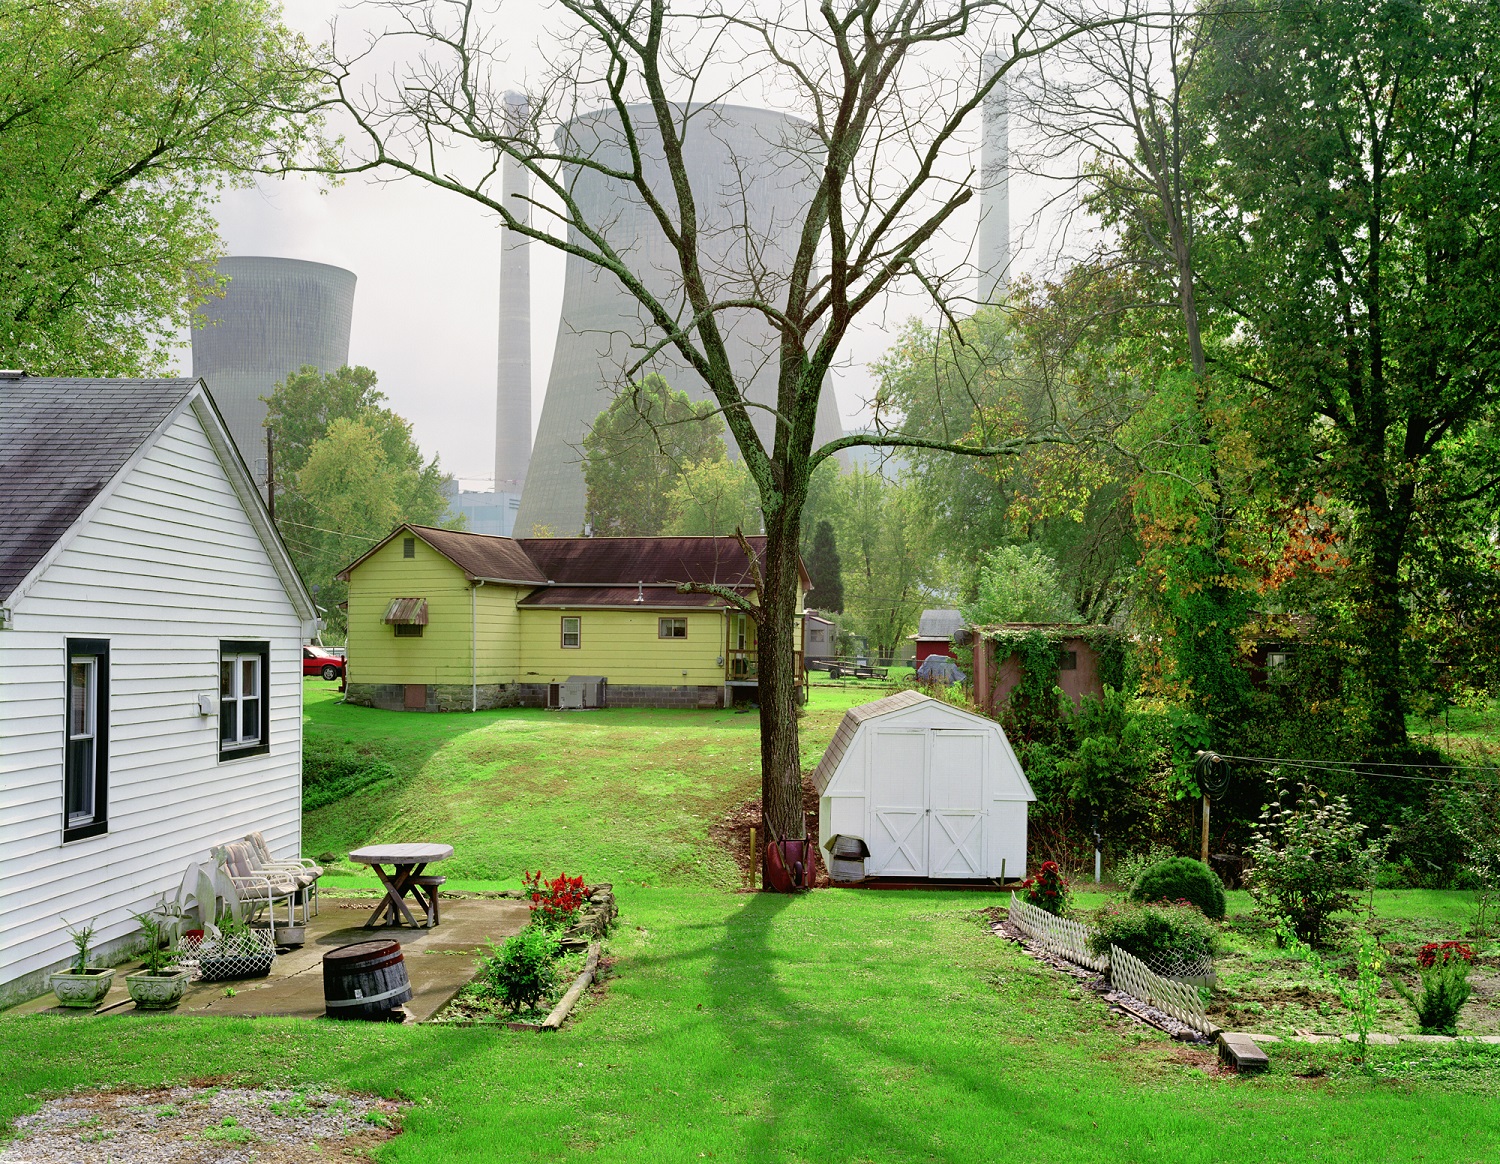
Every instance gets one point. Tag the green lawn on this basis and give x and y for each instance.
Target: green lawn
(839, 1026)
(842, 1026)
(626, 796)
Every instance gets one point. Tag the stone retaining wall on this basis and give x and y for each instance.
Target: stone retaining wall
(440, 696)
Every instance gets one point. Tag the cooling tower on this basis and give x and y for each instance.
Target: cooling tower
(993, 249)
(753, 173)
(277, 315)
(513, 373)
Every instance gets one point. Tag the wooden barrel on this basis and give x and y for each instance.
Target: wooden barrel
(365, 981)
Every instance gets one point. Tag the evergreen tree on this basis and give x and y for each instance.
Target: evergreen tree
(824, 570)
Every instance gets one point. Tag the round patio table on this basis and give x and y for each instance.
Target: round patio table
(407, 863)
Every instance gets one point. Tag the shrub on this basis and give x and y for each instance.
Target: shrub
(521, 972)
(1161, 934)
(555, 904)
(1182, 879)
(1047, 890)
(1310, 861)
(1128, 869)
(1444, 968)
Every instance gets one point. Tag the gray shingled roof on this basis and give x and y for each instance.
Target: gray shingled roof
(61, 441)
(939, 623)
(855, 716)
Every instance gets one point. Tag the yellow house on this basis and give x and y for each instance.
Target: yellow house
(441, 620)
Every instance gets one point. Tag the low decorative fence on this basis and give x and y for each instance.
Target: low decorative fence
(1070, 940)
(1178, 999)
(1067, 939)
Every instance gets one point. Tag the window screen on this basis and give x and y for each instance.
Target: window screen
(244, 689)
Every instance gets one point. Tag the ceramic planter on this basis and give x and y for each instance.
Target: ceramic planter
(82, 990)
(156, 991)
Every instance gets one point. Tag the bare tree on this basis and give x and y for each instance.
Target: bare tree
(882, 90)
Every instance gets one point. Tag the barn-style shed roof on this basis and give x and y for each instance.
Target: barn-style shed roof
(855, 716)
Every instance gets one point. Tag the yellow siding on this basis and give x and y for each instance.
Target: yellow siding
(623, 646)
(442, 654)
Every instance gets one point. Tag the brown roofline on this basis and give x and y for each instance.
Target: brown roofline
(416, 530)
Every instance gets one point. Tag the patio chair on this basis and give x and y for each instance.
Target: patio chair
(257, 889)
(304, 872)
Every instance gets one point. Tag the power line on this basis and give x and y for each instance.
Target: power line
(1351, 768)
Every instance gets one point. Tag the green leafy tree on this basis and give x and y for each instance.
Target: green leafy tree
(1020, 584)
(714, 497)
(825, 570)
(886, 558)
(635, 454)
(1352, 232)
(347, 472)
(120, 120)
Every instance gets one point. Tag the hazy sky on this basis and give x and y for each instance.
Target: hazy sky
(427, 262)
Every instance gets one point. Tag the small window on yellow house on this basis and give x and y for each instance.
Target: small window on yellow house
(572, 631)
(671, 628)
(408, 630)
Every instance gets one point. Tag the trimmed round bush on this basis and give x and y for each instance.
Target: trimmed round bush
(1156, 933)
(1182, 879)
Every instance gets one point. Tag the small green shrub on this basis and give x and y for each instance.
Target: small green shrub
(1128, 869)
(1182, 879)
(1445, 986)
(521, 972)
(1159, 934)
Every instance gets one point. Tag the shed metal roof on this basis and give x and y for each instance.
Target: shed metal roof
(627, 561)
(939, 624)
(61, 442)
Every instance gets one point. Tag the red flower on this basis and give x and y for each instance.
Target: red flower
(1441, 953)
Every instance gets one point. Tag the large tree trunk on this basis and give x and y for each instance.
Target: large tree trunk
(780, 760)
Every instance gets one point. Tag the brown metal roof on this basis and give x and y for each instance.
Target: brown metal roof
(626, 561)
(407, 612)
(494, 559)
(855, 716)
(654, 596)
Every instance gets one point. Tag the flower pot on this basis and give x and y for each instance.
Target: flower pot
(156, 991)
(82, 990)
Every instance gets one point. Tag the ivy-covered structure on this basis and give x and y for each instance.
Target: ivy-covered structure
(1079, 659)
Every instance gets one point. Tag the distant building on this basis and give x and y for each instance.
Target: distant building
(484, 513)
(819, 637)
(998, 667)
(936, 631)
(151, 631)
(443, 620)
(746, 166)
(276, 317)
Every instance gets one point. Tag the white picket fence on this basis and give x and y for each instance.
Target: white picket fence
(1070, 940)
(1067, 939)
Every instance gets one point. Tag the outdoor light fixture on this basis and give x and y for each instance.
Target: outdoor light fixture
(205, 705)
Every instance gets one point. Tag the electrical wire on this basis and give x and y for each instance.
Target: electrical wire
(1352, 768)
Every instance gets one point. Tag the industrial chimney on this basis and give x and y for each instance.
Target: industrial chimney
(994, 191)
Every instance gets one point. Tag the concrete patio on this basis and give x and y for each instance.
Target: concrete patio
(439, 962)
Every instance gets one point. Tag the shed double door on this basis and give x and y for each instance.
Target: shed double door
(927, 803)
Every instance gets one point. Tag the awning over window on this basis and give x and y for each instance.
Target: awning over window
(406, 612)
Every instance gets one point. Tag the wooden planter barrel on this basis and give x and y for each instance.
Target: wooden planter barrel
(365, 981)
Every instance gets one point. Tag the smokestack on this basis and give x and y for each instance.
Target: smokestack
(513, 373)
(994, 189)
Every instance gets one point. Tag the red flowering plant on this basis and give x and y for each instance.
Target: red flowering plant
(555, 903)
(1444, 968)
(1047, 890)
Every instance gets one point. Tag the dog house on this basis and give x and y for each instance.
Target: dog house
(932, 790)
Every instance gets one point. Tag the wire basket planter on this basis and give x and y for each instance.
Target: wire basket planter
(216, 957)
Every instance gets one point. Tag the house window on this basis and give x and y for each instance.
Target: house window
(408, 547)
(1069, 661)
(244, 693)
(572, 631)
(671, 628)
(86, 766)
(1276, 660)
(408, 630)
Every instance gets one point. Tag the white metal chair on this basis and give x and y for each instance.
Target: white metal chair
(304, 872)
(257, 889)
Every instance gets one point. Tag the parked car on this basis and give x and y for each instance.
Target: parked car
(321, 661)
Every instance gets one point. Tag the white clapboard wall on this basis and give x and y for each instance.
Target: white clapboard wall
(165, 567)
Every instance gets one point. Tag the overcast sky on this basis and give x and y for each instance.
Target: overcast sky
(427, 262)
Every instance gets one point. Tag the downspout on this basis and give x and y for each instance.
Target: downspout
(474, 646)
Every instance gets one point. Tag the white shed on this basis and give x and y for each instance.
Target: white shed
(151, 631)
(933, 790)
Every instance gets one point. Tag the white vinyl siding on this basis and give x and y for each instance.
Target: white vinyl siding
(166, 569)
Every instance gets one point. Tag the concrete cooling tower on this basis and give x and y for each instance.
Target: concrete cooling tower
(753, 174)
(277, 315)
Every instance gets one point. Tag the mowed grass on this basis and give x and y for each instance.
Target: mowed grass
(618, 795)
(840, 1026)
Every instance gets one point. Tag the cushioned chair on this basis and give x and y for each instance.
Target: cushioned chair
(304, 872)
(257, 888)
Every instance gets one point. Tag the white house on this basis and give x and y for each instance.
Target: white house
(932, 790)
(151, 629)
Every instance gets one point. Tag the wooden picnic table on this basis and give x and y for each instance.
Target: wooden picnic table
(407, 863)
